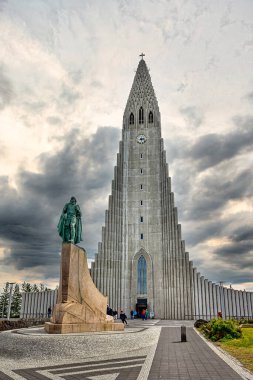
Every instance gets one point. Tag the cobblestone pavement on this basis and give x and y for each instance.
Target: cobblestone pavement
(145, 350)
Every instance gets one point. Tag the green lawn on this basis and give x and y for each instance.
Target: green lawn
(242, 348)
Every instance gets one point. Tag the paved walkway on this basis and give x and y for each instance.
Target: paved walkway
(146, 350)
(191, 360)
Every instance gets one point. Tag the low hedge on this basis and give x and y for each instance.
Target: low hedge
(22, 323)
(221, 330)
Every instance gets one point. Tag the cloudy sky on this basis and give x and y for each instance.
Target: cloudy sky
(66, 69)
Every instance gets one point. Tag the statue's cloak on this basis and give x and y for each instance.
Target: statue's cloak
(78, 228)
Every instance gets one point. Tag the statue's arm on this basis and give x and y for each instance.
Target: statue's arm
(78, 212)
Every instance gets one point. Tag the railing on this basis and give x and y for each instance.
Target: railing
(211, 316)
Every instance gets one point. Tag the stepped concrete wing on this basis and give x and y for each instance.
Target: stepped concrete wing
(80, 306)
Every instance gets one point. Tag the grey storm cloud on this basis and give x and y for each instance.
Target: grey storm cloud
(237, 249)
(240, 244)
(6, 89)
(242, 234)
(213, 148)
(232, 274)
(29, 216)
(205, 178)
(203, 231)
(206, 201)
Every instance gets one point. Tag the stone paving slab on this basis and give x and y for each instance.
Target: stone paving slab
(191, 360)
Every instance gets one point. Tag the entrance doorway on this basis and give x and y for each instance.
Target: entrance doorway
(142, 304)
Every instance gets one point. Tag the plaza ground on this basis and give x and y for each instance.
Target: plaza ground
(145, 350)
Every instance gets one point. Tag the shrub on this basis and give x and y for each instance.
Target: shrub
(219, 329)
(199, 323)
(20, 324)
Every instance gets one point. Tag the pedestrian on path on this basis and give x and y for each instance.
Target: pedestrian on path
(123, 317)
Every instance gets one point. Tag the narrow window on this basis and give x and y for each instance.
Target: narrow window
(131, 118)
(141, 116)
(141, 171)
(141, 187)
(142, 276)
(141, 219)
(141, 236)
(150, 117)
(141, 155)
(141, 203)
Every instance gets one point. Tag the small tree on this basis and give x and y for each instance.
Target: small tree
(42, 287)
(35, 288)
(4, 300)
(16, 302)
(26, 287)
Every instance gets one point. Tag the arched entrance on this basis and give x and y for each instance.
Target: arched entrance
(142, 289)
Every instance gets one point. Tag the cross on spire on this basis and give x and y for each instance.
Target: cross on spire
(142, 55)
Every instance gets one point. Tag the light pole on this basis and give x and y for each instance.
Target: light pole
(10, 299)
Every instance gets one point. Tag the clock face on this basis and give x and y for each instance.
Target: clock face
(141, 139)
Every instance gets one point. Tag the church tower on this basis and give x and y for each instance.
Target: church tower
(141, 262)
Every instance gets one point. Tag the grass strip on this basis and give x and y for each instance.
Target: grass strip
(242, 348)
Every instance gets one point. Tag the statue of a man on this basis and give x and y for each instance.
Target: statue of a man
(70, 224)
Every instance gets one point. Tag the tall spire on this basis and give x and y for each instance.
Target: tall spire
(142, 92)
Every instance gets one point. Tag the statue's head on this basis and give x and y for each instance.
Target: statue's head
(73, 200)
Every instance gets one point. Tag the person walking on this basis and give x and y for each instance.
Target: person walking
(123, 317)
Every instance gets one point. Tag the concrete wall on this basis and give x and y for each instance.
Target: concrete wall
(36, 304)
(210, 298)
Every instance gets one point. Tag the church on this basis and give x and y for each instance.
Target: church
(141, 261)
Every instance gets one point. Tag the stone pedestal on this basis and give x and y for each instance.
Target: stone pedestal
(80, 306)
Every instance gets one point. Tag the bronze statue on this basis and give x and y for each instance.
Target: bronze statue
(70, 224)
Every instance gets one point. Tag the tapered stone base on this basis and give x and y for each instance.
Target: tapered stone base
(80, 306)
(70, 328)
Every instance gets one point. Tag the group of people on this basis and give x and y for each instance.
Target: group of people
(114, 314)
(143, 314)
(111, 312)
